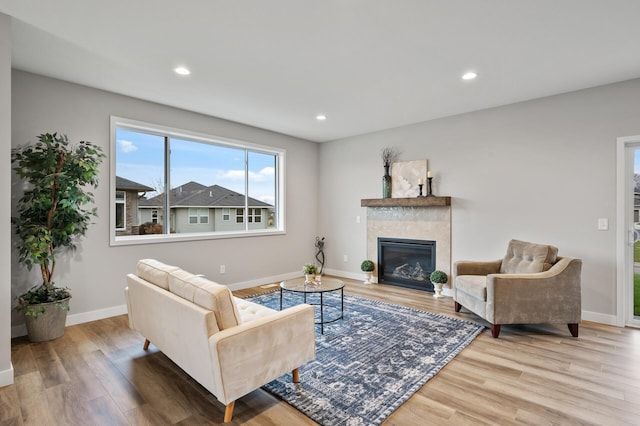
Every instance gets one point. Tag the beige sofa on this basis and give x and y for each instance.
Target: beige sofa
(229, 345)
(530, 285)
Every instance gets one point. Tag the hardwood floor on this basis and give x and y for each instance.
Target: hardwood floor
(98, 374)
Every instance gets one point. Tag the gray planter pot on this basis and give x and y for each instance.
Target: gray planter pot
(50, 325)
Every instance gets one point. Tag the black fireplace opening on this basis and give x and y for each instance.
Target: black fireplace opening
(406, 263)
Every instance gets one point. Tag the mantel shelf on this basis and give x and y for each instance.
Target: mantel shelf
(432, 201)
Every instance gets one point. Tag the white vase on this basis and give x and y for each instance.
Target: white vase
(438, 288)
(367, 280)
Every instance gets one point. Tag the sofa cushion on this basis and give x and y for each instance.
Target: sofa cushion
(250, 311)
(528, 258)
(473, 285)
(155, 272)
(207, 294)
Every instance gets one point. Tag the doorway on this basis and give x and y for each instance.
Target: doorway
(628, 231)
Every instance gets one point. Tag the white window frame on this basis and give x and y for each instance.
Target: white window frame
(226, 214)
(121, 201)
(145, 127)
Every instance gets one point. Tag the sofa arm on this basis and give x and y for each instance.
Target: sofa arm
(553, 296)
(252, 354)
(467, 267)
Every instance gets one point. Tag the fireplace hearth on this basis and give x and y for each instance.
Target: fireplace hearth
(406, 262)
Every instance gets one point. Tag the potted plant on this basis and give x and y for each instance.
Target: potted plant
(309, 270)
(438, 278)
(367, 266)
(51, 217)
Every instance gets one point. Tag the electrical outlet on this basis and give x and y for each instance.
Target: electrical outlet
(346, 258)
(223, 269)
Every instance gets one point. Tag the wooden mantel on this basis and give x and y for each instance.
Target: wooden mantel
(432, 201)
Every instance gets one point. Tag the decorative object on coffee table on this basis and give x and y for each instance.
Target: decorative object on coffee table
(438, 278)
(367, 267)
(309, 270)
(389, 154)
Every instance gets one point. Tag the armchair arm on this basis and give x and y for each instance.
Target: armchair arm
(552, 296)
(467, 267)
(252, 354)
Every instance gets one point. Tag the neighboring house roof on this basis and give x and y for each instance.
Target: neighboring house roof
(123, 184)
(193, 194)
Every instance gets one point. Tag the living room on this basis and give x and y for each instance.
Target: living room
(539, 169)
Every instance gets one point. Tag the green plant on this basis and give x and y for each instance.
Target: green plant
(367, 266)
(309, 269)
(438, 277)
(51, 213)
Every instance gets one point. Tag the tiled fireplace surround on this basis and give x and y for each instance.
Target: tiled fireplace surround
(415, 222)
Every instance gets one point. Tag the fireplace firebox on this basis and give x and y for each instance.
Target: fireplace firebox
(406, 263)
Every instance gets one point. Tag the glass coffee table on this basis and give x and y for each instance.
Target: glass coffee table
(327, 285)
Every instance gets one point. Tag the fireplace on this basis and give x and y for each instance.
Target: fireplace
(406, 263)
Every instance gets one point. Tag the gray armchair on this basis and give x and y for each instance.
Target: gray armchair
(531, 285)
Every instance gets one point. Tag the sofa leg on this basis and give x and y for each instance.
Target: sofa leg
(146, 344)
(495, 330)
(456, 306)
(573, 328)
(228, 411)
(296, 375)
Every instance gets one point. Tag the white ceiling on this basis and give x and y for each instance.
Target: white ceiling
(367, 64)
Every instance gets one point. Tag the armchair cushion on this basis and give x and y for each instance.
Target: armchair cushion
(528, 258)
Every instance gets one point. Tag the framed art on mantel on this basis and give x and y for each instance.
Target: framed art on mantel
(405, 176)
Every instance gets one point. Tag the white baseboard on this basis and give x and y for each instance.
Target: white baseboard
(6, 377)
(21, 330)
(600, 318)
(345, 274)
(265, 280)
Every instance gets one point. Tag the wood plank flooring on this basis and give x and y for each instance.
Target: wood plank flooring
(98, 374)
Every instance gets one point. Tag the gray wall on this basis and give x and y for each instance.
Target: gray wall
(6, 373)
(96, 272)
(542, 170)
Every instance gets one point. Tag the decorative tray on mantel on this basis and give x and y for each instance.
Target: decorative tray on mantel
(406, 202)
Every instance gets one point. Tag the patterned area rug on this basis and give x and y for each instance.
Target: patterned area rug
(370, 362)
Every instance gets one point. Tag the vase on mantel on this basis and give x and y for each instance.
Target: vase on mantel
(386, 183)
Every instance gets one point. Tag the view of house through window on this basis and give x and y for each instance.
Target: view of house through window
(206, 185)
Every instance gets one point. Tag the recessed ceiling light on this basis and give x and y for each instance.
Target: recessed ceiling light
(321, 117)
(182, 71)
(469, 75)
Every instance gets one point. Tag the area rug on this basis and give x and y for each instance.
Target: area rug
(370, 362)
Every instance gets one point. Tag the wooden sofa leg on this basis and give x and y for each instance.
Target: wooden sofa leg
(296, 375)
(228, 411)
(573, 328)
(146, 344)
(456, 306)
(495, 330)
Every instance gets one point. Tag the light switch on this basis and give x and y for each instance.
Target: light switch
(357, 219)
(603, 224)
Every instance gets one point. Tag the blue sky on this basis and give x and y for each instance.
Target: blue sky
(140, 158)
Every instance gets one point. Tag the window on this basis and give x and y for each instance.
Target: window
(199, 216)
(255, 215)
(121, 208)
(199, 179)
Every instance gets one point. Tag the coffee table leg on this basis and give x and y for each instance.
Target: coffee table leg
(342, 303)
(280, 298)
(321, 315)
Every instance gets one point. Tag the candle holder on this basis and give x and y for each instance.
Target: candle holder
(429, 189)
(420, 185)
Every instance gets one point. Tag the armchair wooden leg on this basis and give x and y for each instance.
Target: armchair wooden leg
(495, 330)
(146, 344)
(228, 411)
(296, 375)
(573, 328)
(456, 306)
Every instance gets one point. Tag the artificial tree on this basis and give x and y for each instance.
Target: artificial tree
(51, 214)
